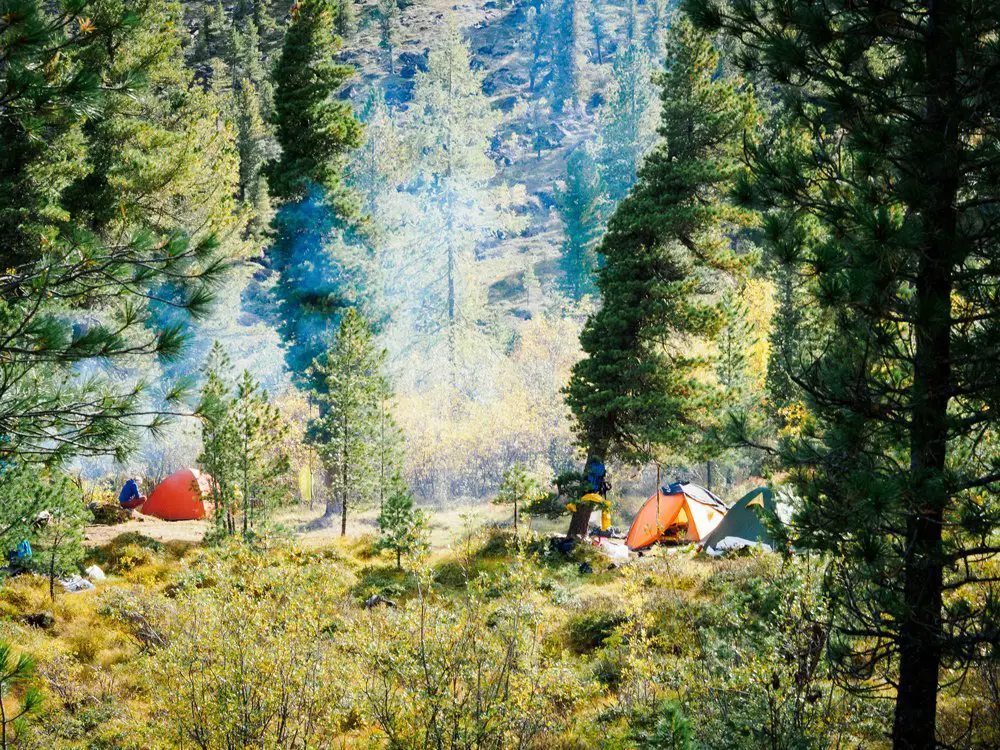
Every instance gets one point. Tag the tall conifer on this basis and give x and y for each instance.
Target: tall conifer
(321, 266)
(580, 207)
(316, 129)
(627, 126)
(643, 389)
(881, 194)
(352, 393)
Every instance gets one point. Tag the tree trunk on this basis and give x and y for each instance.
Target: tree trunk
(921, 630)
(579, 524)
(345, 493)
(52, 572)
(452, 303)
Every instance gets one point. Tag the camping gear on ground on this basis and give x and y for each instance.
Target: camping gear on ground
(94, 573)
(20, 555)
(617, 553)
(564, 545)
(376, 599)
(180, 497)
(76, 584)
(742, 525)
(612, 532)
(680, 512)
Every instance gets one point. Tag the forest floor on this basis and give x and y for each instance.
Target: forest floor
(446, 525)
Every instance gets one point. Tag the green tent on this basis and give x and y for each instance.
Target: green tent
(741, 526)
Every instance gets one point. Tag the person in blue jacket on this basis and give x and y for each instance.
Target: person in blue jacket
(130, 495)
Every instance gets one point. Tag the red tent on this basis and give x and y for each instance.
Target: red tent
(180, 497)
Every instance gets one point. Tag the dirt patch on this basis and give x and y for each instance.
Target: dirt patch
(447, 525)
(163, 531)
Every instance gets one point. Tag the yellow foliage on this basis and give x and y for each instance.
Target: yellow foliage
(761, 305)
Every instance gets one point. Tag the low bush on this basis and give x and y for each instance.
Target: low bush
(110, 514)
(126, 552)
(588, 631)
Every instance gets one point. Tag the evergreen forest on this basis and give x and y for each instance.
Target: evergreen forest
(487, 374)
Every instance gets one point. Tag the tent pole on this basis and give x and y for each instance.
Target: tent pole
(658, 529)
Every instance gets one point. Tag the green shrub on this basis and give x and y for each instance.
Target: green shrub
(588, 631)
(384, 581)
(126, 552)
(607, 669)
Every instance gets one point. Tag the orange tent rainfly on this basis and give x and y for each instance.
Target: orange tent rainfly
(682, 512)
(180, 497)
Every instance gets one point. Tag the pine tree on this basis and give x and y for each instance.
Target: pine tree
(15, 678)
(94, 223)
(321, 275)
(654, 28)
(627, 122)
(388, 448)
(539, 16)
(785, 337)
(260, 13)
(58, 547)
(349, 387)
(631, 24)
(519, 489)
(218, 439)
(539, 126)
(247, 62)
(253, 145)
(598, 28)
(259, 430)
(451, 134)
(580, 207)
(735, 339)
(241, 438)
(881, 190)
(316, 129)
(320, 264)
(213, 34)
(564, 66)
(379, 171)
(389, 31)
(346, 23)
(642, 390)
(402, 528)
(24, 493)
(382, 162)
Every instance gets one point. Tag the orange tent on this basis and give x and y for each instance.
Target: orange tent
(681, 512)
(180, 497)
